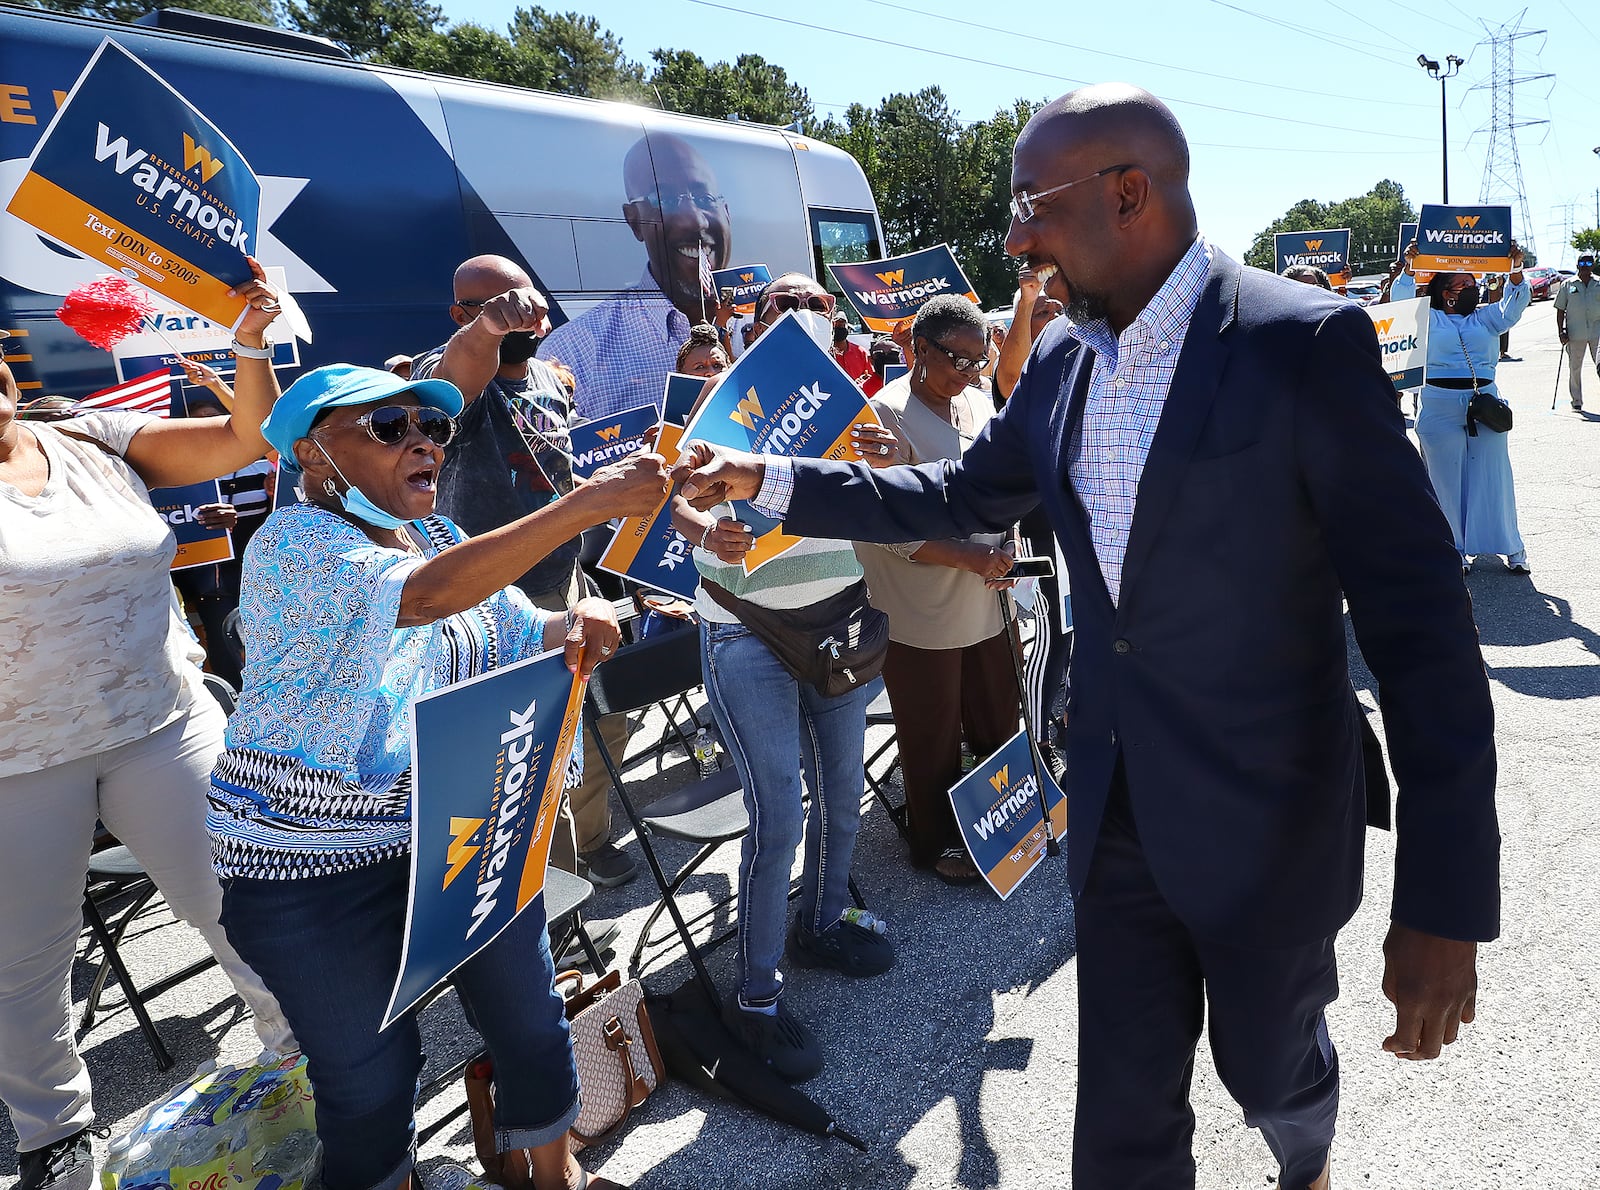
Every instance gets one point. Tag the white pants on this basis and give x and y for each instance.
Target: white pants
(1577, 349)
(151, 794)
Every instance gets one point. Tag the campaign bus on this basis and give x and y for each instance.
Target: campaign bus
(376, 182)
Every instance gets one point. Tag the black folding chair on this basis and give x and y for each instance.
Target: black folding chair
(708, 811)
(879, 714)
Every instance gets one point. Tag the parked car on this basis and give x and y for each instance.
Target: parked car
(1542, 281)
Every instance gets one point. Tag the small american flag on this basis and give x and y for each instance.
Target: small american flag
(150, 393)
(707, 284)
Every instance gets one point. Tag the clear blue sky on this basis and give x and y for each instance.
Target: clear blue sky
(1278, 107)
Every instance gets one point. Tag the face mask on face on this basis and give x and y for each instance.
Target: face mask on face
(518, 347)
(840, 334)
(816, 325)
(1467, 300)
(355, 501)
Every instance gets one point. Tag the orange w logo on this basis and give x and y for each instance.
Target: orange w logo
(1467, 220)
(1383, 327)
(459, 855)
(747, 277)
(896, 277)
(194, 155)
(999, 780)
(1313, 245)
(749, 409)
(610, 432)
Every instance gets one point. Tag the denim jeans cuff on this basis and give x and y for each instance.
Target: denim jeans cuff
(508, 1139)
(397, 1176)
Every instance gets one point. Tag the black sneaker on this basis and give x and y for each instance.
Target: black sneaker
(607, 866)
(845, 946)
(66, 1164)
(779, 1039)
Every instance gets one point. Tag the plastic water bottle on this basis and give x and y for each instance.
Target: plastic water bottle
(705, 753)
(450, 1176)
(291, 1158)
(865, 919)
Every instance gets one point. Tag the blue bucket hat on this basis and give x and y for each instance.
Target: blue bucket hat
(343, 384)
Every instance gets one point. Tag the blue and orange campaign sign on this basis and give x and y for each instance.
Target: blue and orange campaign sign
(1408, 232)
(132, 176)
(1327, 250)
(197, 544)
(1403, 337)
(1463, 239)
(885, 293)
(488, 763)
(997, 809)
(785, 396)
(596, 443)
(746, 281)
(677, 401)
(648, 549)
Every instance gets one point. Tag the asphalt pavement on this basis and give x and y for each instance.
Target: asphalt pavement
(957, 1067)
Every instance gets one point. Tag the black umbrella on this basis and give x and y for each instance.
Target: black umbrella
(699, 1050)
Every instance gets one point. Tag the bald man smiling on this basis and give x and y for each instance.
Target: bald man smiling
(1221, 457)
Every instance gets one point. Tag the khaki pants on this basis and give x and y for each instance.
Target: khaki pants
(585, 819)
(1577, 349)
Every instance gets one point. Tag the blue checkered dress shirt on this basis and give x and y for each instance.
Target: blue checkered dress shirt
(621, 350)
(1127, 391)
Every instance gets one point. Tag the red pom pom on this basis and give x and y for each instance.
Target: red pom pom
(106, 310)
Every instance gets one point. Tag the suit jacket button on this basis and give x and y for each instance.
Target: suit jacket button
(1122, 646)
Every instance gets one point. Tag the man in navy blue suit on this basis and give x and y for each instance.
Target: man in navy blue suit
(1221, 455)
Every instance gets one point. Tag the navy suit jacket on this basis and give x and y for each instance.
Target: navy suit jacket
(1280, 483)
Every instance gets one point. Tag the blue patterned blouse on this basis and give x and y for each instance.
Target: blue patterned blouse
(316, 777)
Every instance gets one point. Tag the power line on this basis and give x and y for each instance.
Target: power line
(1066, 45)
(1433, 17)
(1360, 20)
(969, 60)
(1346, 42)
(1577, 18)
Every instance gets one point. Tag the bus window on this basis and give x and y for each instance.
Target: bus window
(842, 237)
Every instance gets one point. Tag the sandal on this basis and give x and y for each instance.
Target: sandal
(955, 867)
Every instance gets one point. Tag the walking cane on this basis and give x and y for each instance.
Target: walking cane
(1561, 358)
(1051, 845)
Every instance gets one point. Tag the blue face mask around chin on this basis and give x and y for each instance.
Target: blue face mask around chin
(355, 502)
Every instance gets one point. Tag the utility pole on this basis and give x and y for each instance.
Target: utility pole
(1502, 166)
(1451, 68)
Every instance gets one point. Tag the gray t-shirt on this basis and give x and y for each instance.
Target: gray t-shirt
(511, 456)
(92, 653)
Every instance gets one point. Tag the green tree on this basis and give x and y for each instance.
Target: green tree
(583, 58)
(258, 11)
(470, 51)
(1587, 240)
(364, 27)
(1374, 219)
(750, 88)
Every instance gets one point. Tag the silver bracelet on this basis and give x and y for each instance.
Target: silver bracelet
(262, 352)
(706, 536)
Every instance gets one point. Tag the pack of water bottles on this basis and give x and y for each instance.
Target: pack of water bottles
(249, 1127)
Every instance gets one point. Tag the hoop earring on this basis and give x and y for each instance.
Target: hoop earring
(329, 487)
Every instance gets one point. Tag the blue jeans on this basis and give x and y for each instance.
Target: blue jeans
(777, 729)
(328, 947)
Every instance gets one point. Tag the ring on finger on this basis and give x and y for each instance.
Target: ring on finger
(605, 650)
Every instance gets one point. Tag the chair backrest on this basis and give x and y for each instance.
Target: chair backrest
(220, 689)
(643, 674)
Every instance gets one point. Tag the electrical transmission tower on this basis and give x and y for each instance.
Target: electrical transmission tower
(1562, 216)
(1502, 166)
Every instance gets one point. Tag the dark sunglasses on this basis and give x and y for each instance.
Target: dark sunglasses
(959, 362)
(784, 302)
(389, 424)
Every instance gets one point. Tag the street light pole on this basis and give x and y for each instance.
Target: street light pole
(1452, 67)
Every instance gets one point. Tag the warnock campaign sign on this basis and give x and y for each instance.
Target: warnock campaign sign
(596, 443)
(648, 549)
(679, 396)
(885, 293)
(132, 176)
(997, 809)
(180, 508)
(746, 281)
(1327, 250)
(785, 396)
(1403, 336)
(488, 762)
(1463, 239)
(1408, 232)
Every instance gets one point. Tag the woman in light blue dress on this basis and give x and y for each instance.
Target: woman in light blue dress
(1471, 474)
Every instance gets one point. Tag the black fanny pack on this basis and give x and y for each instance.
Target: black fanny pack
(837, 645)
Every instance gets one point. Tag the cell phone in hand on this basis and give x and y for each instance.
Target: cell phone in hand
(1032, 568)
(725, 295)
